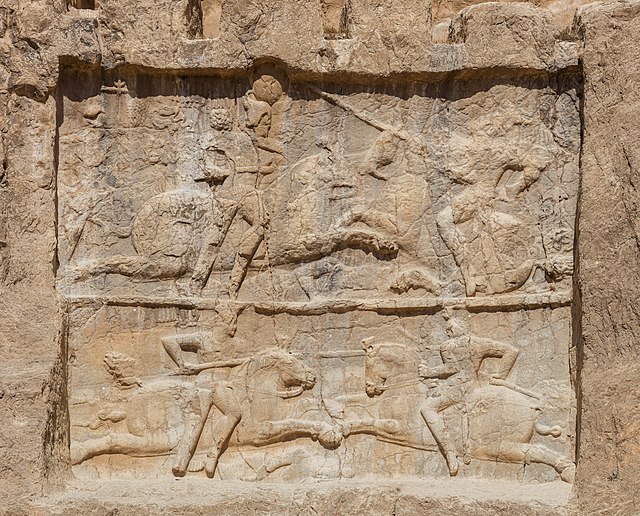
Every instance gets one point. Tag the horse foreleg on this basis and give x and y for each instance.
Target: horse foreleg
(388, 428)
(126, 444)
(313, 246)
(271, 432)
(133, 266)
(226, 402)
(523, 453)
(190, 437)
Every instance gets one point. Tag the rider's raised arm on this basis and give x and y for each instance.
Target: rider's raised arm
(174, 345)
(486, 348)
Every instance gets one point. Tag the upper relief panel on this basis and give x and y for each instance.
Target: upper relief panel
(265, 189)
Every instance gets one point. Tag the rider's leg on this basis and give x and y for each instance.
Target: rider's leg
(226, 402)
(247, 248)
(454, 240)
(430, 411)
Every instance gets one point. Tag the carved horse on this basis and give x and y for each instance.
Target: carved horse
(256, 402)
(501, 421)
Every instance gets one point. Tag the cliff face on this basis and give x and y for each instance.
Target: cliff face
(366, 246)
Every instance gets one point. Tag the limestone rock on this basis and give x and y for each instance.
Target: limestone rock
(330, 257)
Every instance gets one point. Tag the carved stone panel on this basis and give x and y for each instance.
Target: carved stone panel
(273, 278)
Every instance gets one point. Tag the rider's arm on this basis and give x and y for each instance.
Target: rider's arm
(174, 345)
(487, 348)
(448, 368)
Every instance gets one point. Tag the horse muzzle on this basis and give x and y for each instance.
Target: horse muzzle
(309, 381)
(374, 389)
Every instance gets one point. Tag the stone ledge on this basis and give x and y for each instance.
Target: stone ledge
(203, 496)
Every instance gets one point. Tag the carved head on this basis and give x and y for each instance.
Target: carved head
(383, 361)
(268, 89)
(454, 326)
(383, 152)
(220, 119)
(258, 115)
(294, 376)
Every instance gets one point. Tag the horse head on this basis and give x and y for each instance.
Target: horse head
(293, 376)
(385, 363)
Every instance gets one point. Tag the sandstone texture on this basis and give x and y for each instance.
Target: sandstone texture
(319, 257)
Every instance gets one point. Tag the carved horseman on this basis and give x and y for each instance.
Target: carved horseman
(212, 393)
(462, 358)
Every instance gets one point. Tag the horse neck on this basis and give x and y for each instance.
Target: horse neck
(406, 361)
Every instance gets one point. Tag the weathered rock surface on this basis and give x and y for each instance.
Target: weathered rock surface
(366, 246)
(608, 260)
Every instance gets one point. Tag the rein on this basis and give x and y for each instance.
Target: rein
(404, 383)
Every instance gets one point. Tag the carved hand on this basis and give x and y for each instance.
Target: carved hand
(188, 369)
(424, 371)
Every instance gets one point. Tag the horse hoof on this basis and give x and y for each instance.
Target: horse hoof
(179, 471)
(210, 466)
(568, 474)
(452, 463)
(330, 439)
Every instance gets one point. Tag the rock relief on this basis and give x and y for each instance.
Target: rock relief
(270, 277)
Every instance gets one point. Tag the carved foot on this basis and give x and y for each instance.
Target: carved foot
(211, 464)
(452, 463)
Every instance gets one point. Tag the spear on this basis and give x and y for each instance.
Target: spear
(198, 368)
(365, 117)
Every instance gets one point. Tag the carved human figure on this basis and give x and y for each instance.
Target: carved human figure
(494, 250)
(500, 418)
(462, 356)
(244, 190)
(217, 394)
(399, 161)
(256, 400)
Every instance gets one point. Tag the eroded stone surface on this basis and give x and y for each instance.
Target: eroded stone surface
(319, 242)
(331, 272)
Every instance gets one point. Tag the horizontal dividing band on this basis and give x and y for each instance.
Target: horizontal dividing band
(401, 306)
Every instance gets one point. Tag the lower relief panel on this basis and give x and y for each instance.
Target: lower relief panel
(330, 396)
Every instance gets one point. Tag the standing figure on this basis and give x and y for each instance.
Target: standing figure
(462, 356)
(496, 251)
(245, 186)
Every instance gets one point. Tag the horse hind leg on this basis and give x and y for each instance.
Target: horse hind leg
(190, 437)
(522, 453)
(543, 455)
(125, 444)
